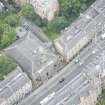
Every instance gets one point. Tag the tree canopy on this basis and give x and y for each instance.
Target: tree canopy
(57, 24)
(8, 22)
(69, 7)
(7, 35)
(26, 10)
(12, 20)
(6, 65)
(68, 12)
(101, 102)
(101, 99)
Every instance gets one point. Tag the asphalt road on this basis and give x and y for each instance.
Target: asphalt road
(54, 85)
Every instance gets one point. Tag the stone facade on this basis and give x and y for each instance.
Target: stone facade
(91, 99)
(80, 32)
(36, 59)
(44, 8)
(14, 87)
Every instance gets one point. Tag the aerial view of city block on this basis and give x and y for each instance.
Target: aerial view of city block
(52, 52)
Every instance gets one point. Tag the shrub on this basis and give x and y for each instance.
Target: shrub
(6, 65)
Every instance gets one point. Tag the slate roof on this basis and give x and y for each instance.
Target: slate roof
(88, 23)
(80, 80)
(31, 54)
(91, 67)
(12, 83)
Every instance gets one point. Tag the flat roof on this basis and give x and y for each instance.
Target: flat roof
(31, 53)
(13, 82)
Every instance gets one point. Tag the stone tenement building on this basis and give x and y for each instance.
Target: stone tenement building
(14, 87)
(81, 31)
(81, 85)
(36, 59)
(80, 82)
(44, 8)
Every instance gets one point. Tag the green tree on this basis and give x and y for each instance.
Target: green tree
(57, 24)
(101, 102)
(26, 10)
(44, 22)
(69, 7)
(12, 20)
(6, 65)
(8, 36)
(36, 19)
(1, 32)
